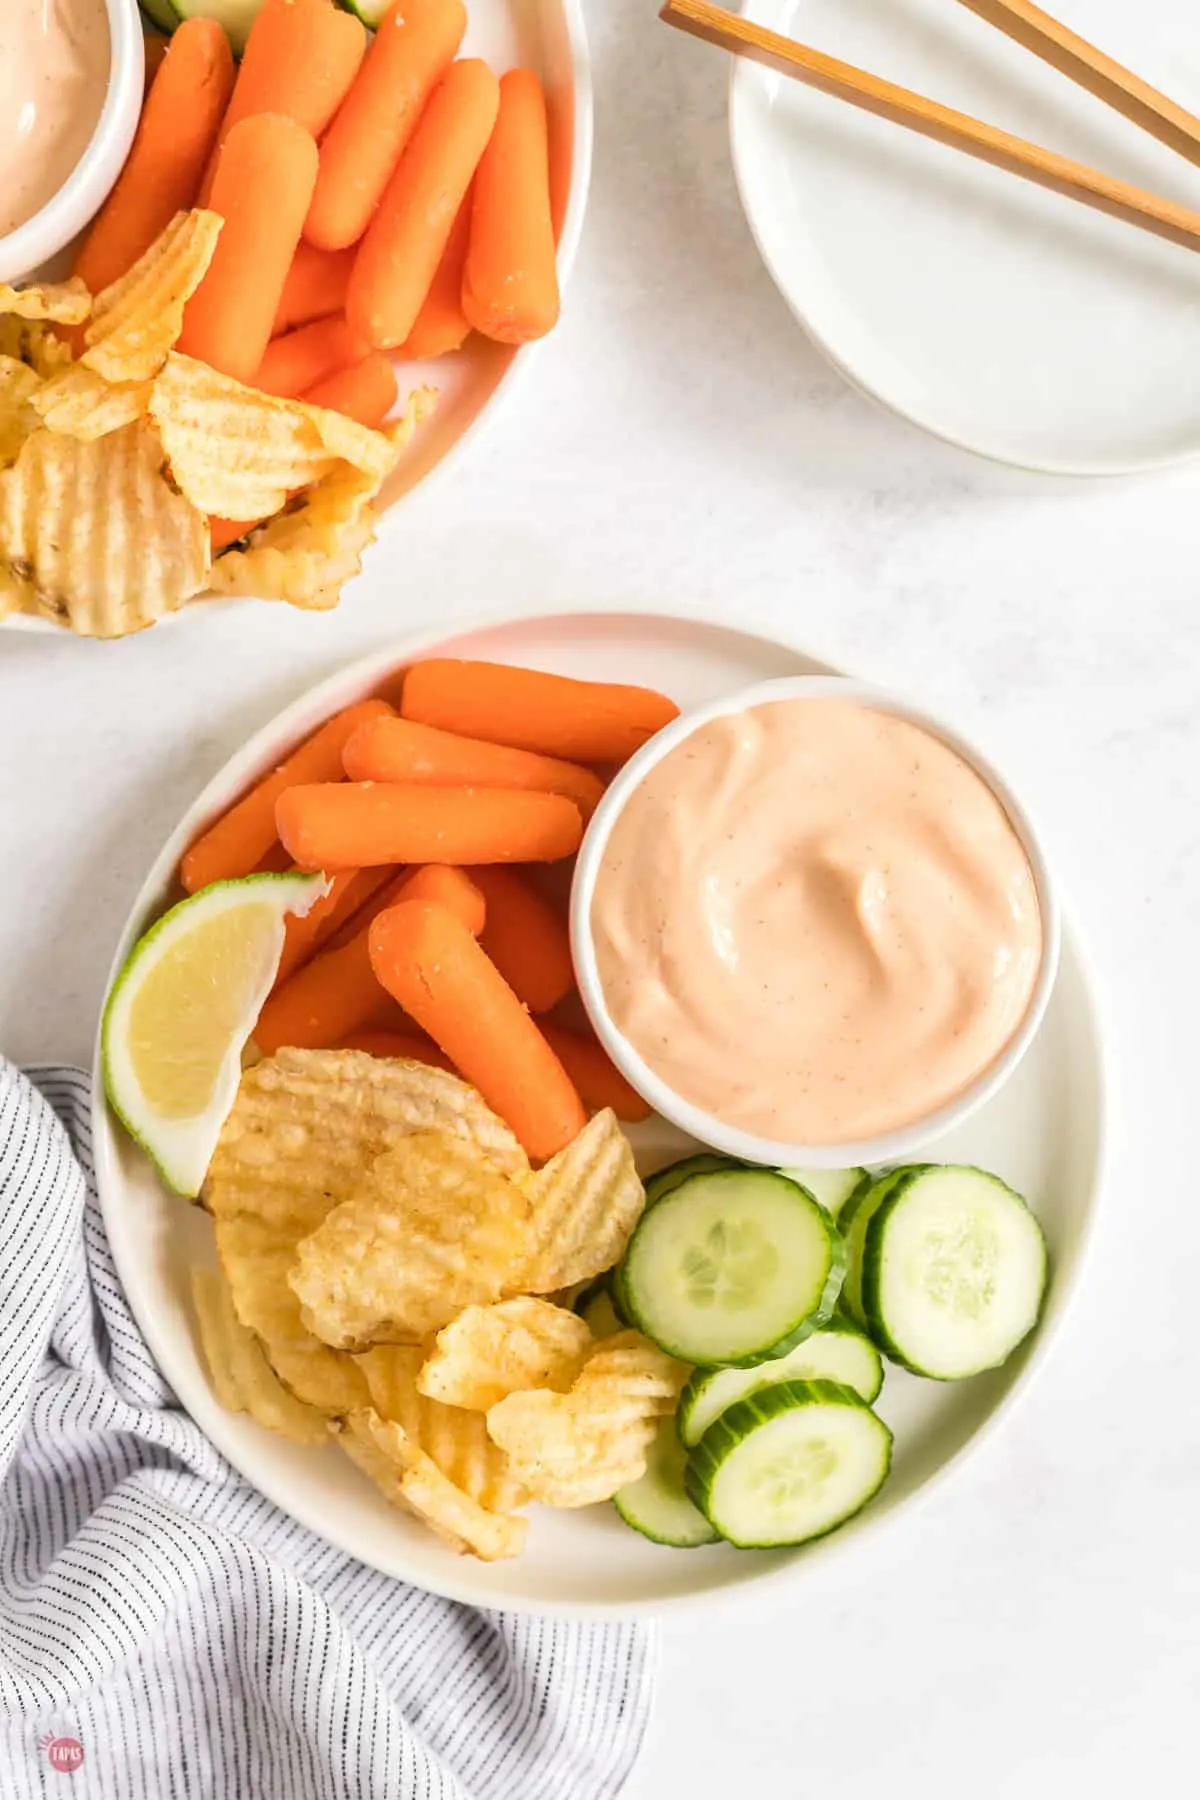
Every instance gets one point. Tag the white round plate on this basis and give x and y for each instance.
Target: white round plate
(1005, 319)
(1043, 1133)
(472, 383)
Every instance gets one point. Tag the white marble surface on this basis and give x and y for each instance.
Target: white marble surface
(1036, 1630)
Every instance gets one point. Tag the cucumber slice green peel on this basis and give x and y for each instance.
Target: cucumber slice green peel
(953, 1270)
(839, 1353)
(789, 1464)
(734, 1266)
(657, 1505)
(665, 1181)
(832, 1187)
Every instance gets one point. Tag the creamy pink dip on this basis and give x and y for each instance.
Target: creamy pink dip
(816, 921)
(54, 67)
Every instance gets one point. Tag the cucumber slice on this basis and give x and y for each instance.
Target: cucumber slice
(234, 16)
(953, 1272)
(657, 1505)
(838, 1353)
(161, 14)
(665, 1181)
(733, 1266)
(790, 1463)
(600, 1315)
(856, 1214)
(832, 1187)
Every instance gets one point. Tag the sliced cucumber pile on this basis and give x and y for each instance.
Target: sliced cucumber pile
(658, 1505)
(832, 1187)
(732, 1266)
(951, 1271)
(838, 1353)
(788, 1464)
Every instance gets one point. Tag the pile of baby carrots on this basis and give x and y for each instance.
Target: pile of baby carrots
(378, 196)
(433, 941)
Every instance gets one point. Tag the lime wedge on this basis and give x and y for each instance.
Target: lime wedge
(181, 1010)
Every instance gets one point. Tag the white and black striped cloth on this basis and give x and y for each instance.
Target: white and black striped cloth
(167, 1634)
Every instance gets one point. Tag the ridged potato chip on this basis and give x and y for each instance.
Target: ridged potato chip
(238, 453)
(457, 1440)
(255, 1257)
(308, 1125)
(489, 1352)
(586, 1202)
(79, 403)
(307, 553)
(578, 1448)
(96, 531)
(138, 318)
(56, 302)
(18, 384)
(434, 1229)
(243, 1378)
(409, 1478)
(34, 343)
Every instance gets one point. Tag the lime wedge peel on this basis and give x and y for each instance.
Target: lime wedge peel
(181, 1010)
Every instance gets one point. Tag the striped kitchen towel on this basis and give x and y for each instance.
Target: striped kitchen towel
(166, 1632)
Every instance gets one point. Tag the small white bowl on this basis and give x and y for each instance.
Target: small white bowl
(41, 238)
(887, 1147)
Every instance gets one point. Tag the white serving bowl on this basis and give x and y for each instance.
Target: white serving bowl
(40, 239)
(885, 1147)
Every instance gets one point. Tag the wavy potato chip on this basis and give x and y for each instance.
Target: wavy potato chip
(53, 302)
(577, 1448)
(79, 403)
(138, 318)
(238, 453)
(307, 553)
(308, 1125)
(243, 1378)
(33, 342)
(457, 1441)
(18, 384)
(409, 1478)
(434, 1229)
(255, 1258)
(489, 1352)
(98, 534)
(586, 1202)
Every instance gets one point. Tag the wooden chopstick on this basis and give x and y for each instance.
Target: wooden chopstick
(1090, 68)
(1120, 199)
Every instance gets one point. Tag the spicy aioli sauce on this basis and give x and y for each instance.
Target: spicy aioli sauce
(815, 921)
(54, 68)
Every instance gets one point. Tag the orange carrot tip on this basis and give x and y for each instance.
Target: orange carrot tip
(510, 280)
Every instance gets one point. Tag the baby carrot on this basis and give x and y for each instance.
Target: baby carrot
(296, 361)
(585, 721)
(401, 750)
(164, 168)
(430, 963)
(413, 1046)
(366, 391)
(526, 939)
(449, 887)
(599, 1081)
(330, 996)
(240, 837)
(357, 825)
(407, 237)
(263, 185)
(414, 45)
(442, 325)
(304, 935)
(315, 286)
(510, 283)
(300, 59)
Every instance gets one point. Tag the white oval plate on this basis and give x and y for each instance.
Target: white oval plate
(1043, 1133)
(472, 383)
(1005, 319)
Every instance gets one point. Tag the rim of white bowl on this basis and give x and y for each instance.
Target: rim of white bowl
(90, 182)
(884, 1147)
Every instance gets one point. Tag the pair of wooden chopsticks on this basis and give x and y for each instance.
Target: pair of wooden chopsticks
(1036, 31)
